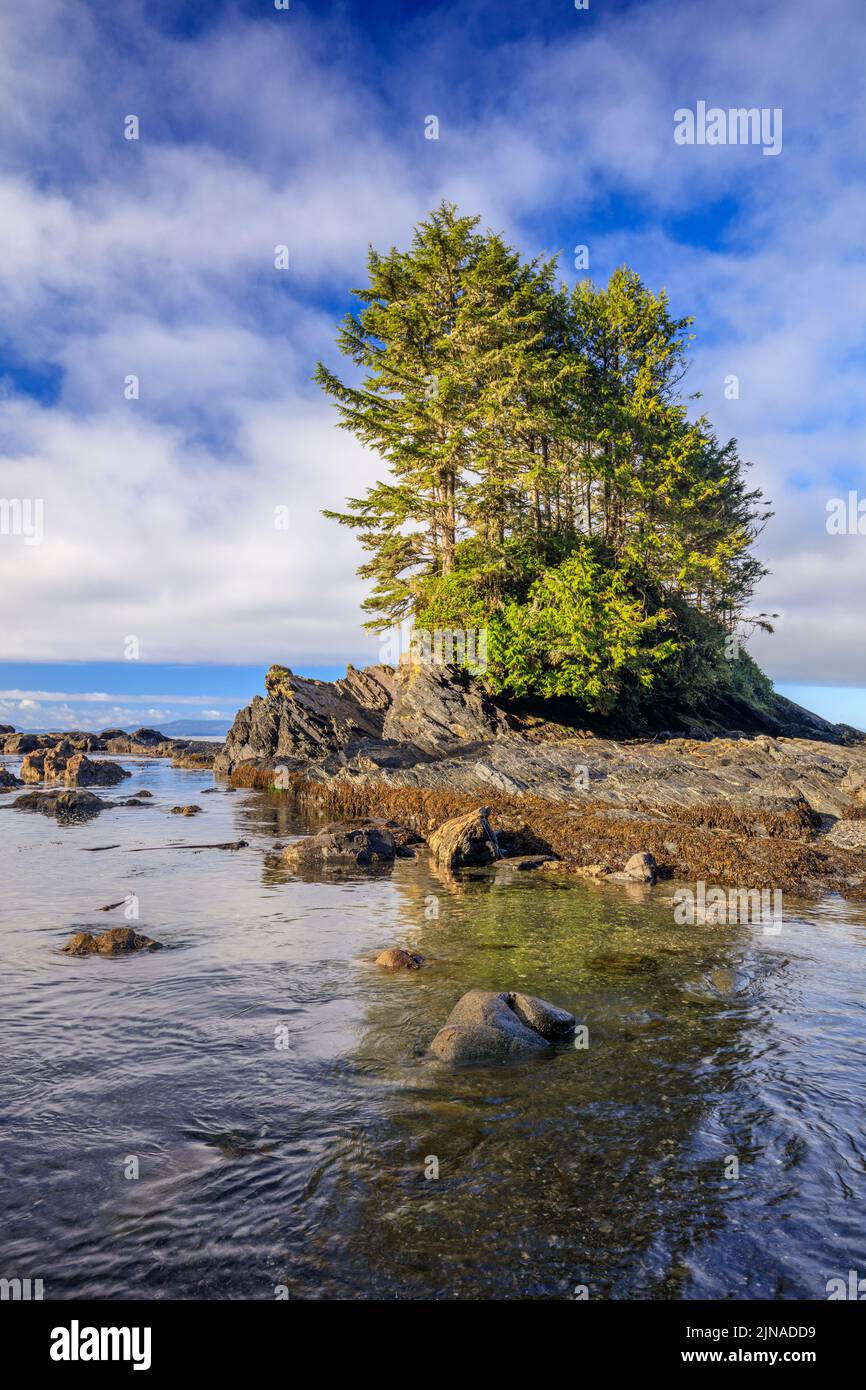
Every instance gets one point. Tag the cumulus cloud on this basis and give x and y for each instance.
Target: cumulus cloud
(154, 258)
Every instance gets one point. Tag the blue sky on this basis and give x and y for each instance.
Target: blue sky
(259, 127)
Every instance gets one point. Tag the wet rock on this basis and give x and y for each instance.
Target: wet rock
(185, 810)
(464, 840)
(144, 793)
(8, 780)
(114, 942)
(68, 807)
(395, 958)
(484, 1026)
(362, 845)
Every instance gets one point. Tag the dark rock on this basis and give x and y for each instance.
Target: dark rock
(484, 1026)
(68, 807)
(114, 942)
(363, 845)
(8, 780)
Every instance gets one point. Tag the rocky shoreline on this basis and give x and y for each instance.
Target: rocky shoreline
(420, 754)
(779, 803)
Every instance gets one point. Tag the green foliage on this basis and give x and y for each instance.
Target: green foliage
(545, 480)
(581, 632)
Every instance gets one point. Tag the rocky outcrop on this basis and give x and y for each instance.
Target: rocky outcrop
(464, 840)
(81, 771)
(488, 1027)
(435, 708)
(302, 720)
(114, 942)
(8, 780)
(75, 769)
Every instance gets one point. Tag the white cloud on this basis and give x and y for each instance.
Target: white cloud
(156, 258)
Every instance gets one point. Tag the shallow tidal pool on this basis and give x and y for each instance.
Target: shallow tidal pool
(252, 1112)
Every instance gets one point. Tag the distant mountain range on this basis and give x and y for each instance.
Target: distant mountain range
(196, 728)
(175, 728)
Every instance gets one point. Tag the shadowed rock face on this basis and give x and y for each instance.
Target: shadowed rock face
(487, 1027)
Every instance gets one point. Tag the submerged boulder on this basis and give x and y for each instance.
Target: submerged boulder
(486, 1027)
(185, 810)
(464, 840)
(395, 958)
(342, 846)
(113, 942)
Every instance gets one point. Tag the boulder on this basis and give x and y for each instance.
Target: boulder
(336, 847)
(484, 1027)
(464, 840)
(185, 810)
(81, 771)
(113, 942)
(642, 868)
(395, 958)
(8, 780)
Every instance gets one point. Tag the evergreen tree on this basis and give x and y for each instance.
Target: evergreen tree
(546, 481)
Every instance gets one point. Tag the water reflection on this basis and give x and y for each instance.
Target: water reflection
(304, 1165)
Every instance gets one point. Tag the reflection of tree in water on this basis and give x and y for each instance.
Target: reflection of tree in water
(586, 1168)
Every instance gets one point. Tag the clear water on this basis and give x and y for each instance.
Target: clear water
(304, 1167)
